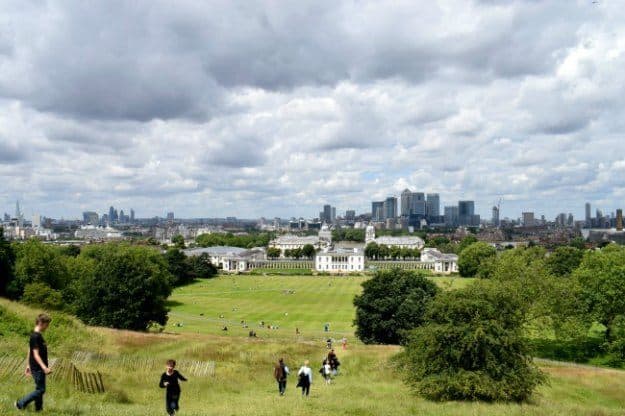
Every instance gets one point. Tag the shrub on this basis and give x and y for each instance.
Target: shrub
(42, 296)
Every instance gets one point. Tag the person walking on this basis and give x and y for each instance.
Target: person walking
(344, 343)
(280, 373)
(169, 381)
(37, 364)
(326, 371)
(305, 378)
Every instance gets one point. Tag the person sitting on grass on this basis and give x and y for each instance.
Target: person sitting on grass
(169, 381)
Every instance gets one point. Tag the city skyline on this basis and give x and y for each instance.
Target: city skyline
(312, 103)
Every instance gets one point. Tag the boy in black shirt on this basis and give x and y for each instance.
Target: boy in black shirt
(169, 380)
(37, 364)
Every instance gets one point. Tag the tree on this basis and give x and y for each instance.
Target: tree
(564, 260)
(7, 264)
(466, 242)
(578, 242)
(273, 252)
(178, 241)
(43, 296)
(308, 251)
(296, 253)
(288, 253)
(178, 267)
(391, 303)
(127, 288)
(472, 347)
(37, 262)
(383, 251)
(601, 280)
(372, 250)
(395, 252)
(71, 250)
(201, 266)
(471, 257)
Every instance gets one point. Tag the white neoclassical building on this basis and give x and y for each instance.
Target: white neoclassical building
(444, 263)
(411, 242)
(340, 261)
(290, 242)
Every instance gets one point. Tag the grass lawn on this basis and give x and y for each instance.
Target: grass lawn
(242, 383)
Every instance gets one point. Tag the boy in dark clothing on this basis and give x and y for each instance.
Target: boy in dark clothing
(169, 380)
(37, 364)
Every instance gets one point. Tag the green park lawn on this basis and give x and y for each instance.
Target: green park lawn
(242, 383)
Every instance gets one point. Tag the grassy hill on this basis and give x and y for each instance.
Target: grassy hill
(242, 382)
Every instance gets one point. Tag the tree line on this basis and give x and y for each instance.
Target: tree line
(477, 343)
(116, 285)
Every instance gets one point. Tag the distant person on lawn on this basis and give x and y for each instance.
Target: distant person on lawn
(169, 381)
(305, 378)
(280, 373)
(37, 364)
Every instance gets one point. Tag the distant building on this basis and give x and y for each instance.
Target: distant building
(36, 221)
(170, 216)
(132, 215)
(390, 207)
(495, 217)
(588, 216)
(466, 213)
(340, 261)
(328, 214)
(93, 233)
(433, 206)
(451, 216)
(443, 263)
(90, 218)
(619, 220)
(350, 215)
(377, 211)
(528, 219)
(411, 242)
(290, 242)
(406, 202)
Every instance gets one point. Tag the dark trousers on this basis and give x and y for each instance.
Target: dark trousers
(37, 395)
(306, 389)
(282, 386)
(171, 402)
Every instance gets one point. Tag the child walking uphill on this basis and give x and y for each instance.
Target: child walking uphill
(169, 381)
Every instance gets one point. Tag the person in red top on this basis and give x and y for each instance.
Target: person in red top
(169, 381)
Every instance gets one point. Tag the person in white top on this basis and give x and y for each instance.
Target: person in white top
(326, 370)
(305, 378)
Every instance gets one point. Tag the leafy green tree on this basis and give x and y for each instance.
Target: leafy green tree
(395, 252)
(201, 266)
(466, 242)
(392, 302)
(43, 296)
(471, 257)
(178, 267)
(578, 243)
(308, 251)
(37, 262)
(601, 280)
(7, 264)
(296, 253)
(71, 250)
(384, 251)
(372, 250)
(178, 241)
(273, 252)
(127, 288)
(564, 260)
(471, 347)
(288, 253)
(405, 253)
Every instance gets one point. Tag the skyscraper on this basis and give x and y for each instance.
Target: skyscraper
(495, 218)
(170, 216)
(90, 217)
(333, 215)
(528, 219)
(451, 216)
(406, 202)
(466, 213)
(350, 215)
(419, 205)
(327, 214)
(588, 217)
(619, 220)
(132, 215)
(433, 206)
(390, 207)
(111, 217)
(377, 210)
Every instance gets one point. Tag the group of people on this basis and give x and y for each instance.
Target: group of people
(37, 367)
(329, 368)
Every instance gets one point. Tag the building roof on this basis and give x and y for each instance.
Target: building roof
(433, 252)
(296, 239)
(215, 251)
(397, 241)
(342, 252)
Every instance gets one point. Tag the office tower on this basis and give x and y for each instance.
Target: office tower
(570, 220)
(121, 216)
(418, 205)
(466, 213)
(90, 217)
(327, 214)
(528, 219)
(36, 221)
(619, 220)
(433, 205)
(495, 218)
(390, 207)
(170, 216)
(561, 219)
(333, 216)
(451, 216)
(111, 216)
(350, 215)
(377, 211)
(7, 217)
(132, 215)
(406, 202)
(588, 218)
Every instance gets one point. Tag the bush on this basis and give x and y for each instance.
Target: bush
(392, 302)
(471, 348)
(471, 257)
(42, 296)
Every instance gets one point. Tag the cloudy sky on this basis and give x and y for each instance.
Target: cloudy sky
(274, 108)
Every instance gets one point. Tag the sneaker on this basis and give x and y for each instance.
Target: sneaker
(17, 405)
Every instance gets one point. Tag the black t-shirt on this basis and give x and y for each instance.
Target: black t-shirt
(173, 386)
(38, 343)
